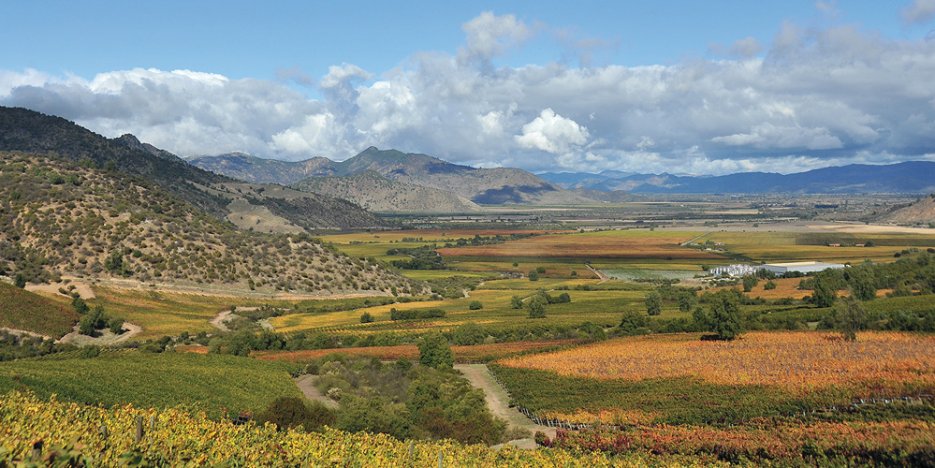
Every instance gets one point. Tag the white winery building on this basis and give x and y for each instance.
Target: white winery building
(799, 267)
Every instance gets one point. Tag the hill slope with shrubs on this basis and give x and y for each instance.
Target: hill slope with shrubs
(58, 217)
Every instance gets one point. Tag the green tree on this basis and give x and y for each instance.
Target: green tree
(686, 301)
(540, 270)
(475, 305)
(770, 285)
(749, 282)
(634, 323)
(823, 293)
(468, 334)
(366, 317)
(725, 315)
(19, 281)
(850, 317)
(435, 352)
(533, 275)
(653, 303)
(536, 306)
(862, 283)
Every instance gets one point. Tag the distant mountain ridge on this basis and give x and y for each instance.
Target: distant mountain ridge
(905, 177)
(377, 193)
(479, 185)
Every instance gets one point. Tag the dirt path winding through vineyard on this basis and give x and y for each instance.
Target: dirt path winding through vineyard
(498, 400)
(306, 384)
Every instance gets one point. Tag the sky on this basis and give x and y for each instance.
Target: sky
(683, 87)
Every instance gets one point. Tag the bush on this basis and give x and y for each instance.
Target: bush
(749, 282)
(475, 305)
(366, 317)
(415, 314)
(292, 412)
(536, 307)
(516, 302)
(540, 270)
(434, 351)
(770, 285)
(653, 303)
(468, 334)
(533, 276)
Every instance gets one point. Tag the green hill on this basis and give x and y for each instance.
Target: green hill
(23, 310)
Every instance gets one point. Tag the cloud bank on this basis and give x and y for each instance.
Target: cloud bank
(811, 98)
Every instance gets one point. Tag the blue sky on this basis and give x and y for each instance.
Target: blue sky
(685, 86)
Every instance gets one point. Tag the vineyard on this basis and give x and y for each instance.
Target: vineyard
(891, 363)
(123, 435)
(23, 310)
(214, 384)
(474, 353)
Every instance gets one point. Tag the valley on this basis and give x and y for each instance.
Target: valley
(365, 304)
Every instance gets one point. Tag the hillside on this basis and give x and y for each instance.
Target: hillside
(26, 131)
(253, 169)
(23, 310)
(377, 193)
(57, 217)
(920, 212)
(484, 186)
(906, 177)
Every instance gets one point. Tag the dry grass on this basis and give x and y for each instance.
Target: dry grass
(797, 361)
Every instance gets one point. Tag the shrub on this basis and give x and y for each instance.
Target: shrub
(770, 285)
(849, 317)
(292, 412)
(415, 314)
(516, 302)
(653, 303)
(533, 276)
(366, 317)
(475, 305)
(536, 307)
(434, 351)
(749, 282)
(540, 270)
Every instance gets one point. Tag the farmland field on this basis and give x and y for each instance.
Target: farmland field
(472, 353)
(23, 310)
(799, 246)
(211, 383)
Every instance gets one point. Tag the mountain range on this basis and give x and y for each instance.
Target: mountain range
(401, 172)
(905, 177)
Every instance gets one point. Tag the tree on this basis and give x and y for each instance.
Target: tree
(366, 317)
(862, 284)
(686, 301)
(749, 282)
(634, 323)
(19, 281)
(823, 294)
(653, 303)
(468, 334)
(290, 412)
(770, 285)
(725, 315)
(79, 305)
(475, 305)
(516, 302)
(536, 307)
(435, 352)
(533, 275)
(850, 317)
(540, 269)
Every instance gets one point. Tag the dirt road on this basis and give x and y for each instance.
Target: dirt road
(306, 384)
(499, 403)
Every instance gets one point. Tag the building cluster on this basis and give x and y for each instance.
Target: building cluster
(779, 269)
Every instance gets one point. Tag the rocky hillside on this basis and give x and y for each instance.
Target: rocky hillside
(483, 186)
(248, 168)
(377, 193)
(60, 217)
(921, 212)
(31, 132)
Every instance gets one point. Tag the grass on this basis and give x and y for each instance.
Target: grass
(210, 383)
(169, 313)
(23, 310)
